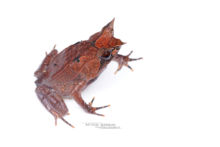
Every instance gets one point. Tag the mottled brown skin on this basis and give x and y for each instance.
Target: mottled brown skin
(67, 73)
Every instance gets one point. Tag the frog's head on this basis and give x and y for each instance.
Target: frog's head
(105, 40)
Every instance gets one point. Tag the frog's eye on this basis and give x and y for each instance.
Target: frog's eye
(106, 56)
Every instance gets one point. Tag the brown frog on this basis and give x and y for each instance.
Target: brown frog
(69, 72)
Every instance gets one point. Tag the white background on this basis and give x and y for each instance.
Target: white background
(171, 99)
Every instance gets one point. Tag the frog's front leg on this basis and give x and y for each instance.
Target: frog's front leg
(87, 107)
(52, 102)
(123, 60)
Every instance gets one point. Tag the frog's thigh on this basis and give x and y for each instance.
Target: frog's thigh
(52, 101)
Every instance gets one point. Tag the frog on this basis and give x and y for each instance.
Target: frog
(67, 73)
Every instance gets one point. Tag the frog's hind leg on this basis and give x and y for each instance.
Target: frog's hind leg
(87, 107)
(52, 102)
(123, 61)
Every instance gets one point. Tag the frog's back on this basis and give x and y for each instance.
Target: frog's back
(65, 70)
(70, 55)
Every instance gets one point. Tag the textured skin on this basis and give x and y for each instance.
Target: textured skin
(67, 73)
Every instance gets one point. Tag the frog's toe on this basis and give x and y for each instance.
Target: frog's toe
(61, 117)
(93, 109)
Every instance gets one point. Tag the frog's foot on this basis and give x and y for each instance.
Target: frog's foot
(87, 107)
(92, 110)
(52, 102)
(123, 60)
(56, 115)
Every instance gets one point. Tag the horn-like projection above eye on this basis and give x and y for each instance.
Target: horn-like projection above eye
(105, 38)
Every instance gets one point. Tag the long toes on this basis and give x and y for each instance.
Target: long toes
(134, 59)
(56, 116)
(67, 122)
(130, 67)
(98, 114)
(97, 108)
(92, 109)
(119, 68)
(90, 104)
(130, 53)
